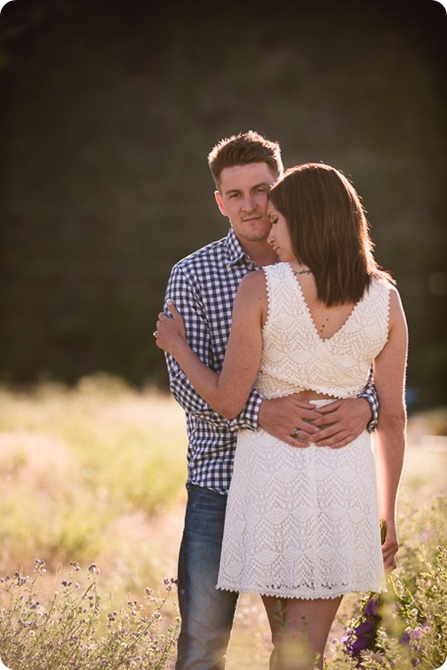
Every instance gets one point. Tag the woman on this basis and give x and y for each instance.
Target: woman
(302, 525)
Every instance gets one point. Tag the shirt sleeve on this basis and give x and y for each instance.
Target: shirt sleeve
(186, 296)
(370, 394)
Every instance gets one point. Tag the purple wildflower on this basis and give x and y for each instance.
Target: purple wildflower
(405, 638)
(372, 607)
(410, 634)
(364, 628)
(363, 633)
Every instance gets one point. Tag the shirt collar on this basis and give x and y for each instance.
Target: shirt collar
(235, 252)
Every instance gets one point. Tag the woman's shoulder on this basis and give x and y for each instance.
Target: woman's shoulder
(386, 288)
(253, 282)
(382, 284)
(252, 293)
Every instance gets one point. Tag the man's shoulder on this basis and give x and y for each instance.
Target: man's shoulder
(210, 253)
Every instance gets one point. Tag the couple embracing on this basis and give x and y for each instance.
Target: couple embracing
(286, 346)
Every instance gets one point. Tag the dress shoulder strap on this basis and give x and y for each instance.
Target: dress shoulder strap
(283, 294)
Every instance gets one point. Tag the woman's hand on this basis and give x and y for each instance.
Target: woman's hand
(390, 546)
(170, 329)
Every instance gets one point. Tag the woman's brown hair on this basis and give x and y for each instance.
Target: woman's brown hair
(329, 230)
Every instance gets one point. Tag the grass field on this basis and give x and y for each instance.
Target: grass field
(95, 476)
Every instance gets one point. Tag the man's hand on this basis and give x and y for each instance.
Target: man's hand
(282, 417)
(341, 422)
(333, 425)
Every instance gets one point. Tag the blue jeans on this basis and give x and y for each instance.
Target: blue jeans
(207, 613)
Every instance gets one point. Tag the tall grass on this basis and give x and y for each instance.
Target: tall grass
(94, 476)
(75, 462)
(70, 632)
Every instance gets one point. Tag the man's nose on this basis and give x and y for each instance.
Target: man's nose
(248, 203)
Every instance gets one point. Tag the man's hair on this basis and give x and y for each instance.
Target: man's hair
(243, 149)
(328, 229)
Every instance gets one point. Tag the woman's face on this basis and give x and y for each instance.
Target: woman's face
(279, 236)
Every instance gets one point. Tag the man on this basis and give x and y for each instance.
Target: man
(203, 287)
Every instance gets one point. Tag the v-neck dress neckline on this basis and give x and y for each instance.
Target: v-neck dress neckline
(309, 313)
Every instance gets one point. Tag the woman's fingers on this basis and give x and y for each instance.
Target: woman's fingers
(173, 309)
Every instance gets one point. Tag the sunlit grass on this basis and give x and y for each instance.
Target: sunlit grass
(74, 463)
(73, 630)
(95, 474)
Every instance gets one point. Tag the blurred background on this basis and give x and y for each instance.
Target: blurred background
(108, 111)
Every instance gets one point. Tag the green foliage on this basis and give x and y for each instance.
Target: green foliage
(90, 473)
(109, 115)
(407, 626)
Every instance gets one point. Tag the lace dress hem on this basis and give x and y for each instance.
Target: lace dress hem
(315, 595)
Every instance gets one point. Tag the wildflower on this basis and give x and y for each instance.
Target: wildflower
(39, 566)
(372, 607)
(363, 633)
(411, 635)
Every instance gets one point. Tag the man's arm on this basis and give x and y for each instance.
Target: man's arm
(370, 394)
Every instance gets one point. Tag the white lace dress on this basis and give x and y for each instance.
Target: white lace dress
(304, 523)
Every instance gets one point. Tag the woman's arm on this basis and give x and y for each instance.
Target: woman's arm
(389, 376)
(188, 300)
(183, 290)
(227, 393)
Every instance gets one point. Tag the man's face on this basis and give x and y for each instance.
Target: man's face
(243, 198)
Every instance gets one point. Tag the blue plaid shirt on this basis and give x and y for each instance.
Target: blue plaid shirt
(203, 287)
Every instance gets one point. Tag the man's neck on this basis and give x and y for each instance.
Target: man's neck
(260, 253)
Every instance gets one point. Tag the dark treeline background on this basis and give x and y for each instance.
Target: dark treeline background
(108, 111)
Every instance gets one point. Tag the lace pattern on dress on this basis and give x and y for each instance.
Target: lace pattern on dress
(305, 522)
(293, 350)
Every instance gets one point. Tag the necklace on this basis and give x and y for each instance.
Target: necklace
(306, 271)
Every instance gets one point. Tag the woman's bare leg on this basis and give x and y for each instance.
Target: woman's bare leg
(274, 608)
(300, 629)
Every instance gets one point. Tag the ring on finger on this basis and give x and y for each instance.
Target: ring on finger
(295, 433)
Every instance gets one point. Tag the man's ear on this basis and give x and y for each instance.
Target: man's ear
(219, 201)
